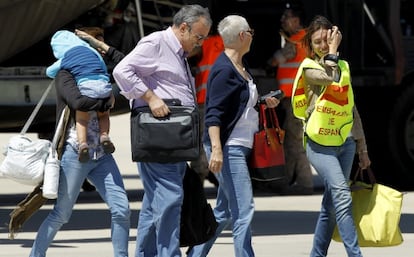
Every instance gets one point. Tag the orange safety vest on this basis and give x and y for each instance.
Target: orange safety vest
(286, 72)
(212, 47)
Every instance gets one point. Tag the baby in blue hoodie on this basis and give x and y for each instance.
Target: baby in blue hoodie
(90, 72)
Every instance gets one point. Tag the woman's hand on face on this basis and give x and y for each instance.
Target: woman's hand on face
(334, 38)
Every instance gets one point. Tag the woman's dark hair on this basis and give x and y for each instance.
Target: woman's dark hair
(317, 23)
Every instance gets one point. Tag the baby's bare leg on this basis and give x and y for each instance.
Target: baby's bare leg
(103, 118)
(106, 143)
(82, 119)
(82, 126)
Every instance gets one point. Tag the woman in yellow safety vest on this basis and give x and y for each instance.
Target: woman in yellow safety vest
(323, 99)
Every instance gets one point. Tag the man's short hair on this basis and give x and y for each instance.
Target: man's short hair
(296, 10)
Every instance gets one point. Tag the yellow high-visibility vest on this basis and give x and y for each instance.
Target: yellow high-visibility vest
(331, 120)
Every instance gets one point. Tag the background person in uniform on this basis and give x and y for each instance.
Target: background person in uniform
(230, 123)
(332, 137)
(287, 61)
(155, 69)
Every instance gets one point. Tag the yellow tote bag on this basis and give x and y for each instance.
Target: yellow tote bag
(376, 210)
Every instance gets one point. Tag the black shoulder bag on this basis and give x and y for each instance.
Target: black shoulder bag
(173, 138)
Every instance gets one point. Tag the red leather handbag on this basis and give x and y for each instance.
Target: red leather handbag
(267, 161)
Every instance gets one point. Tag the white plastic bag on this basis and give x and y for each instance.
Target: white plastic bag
(51, 177)
(25, 160)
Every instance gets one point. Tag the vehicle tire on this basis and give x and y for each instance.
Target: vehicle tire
(401, 136)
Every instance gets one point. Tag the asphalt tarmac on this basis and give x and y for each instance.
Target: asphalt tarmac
(282, 225)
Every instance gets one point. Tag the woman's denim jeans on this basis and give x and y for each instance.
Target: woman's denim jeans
(159, 218)
(105, 175)
(234, 204)
(334, 165)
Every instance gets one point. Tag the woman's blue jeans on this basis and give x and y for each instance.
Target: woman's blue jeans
(105, 175)
(234, 204)
(334, 164)
(159, 218)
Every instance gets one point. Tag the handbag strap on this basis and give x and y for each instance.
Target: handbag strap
(270, 120)
(274, 118)
(359, 176)
(262, 117)
(191, 85)
(59, 129)
(36, 109)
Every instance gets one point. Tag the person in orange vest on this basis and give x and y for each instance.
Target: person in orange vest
(205, 56)
(287, 60)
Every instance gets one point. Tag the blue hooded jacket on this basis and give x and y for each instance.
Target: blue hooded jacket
(76, 56)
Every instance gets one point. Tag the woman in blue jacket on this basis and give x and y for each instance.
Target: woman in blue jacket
(230, 123)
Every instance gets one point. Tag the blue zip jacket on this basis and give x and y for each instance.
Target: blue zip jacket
(226, 98)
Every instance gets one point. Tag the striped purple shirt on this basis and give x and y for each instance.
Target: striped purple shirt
(157, 63)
